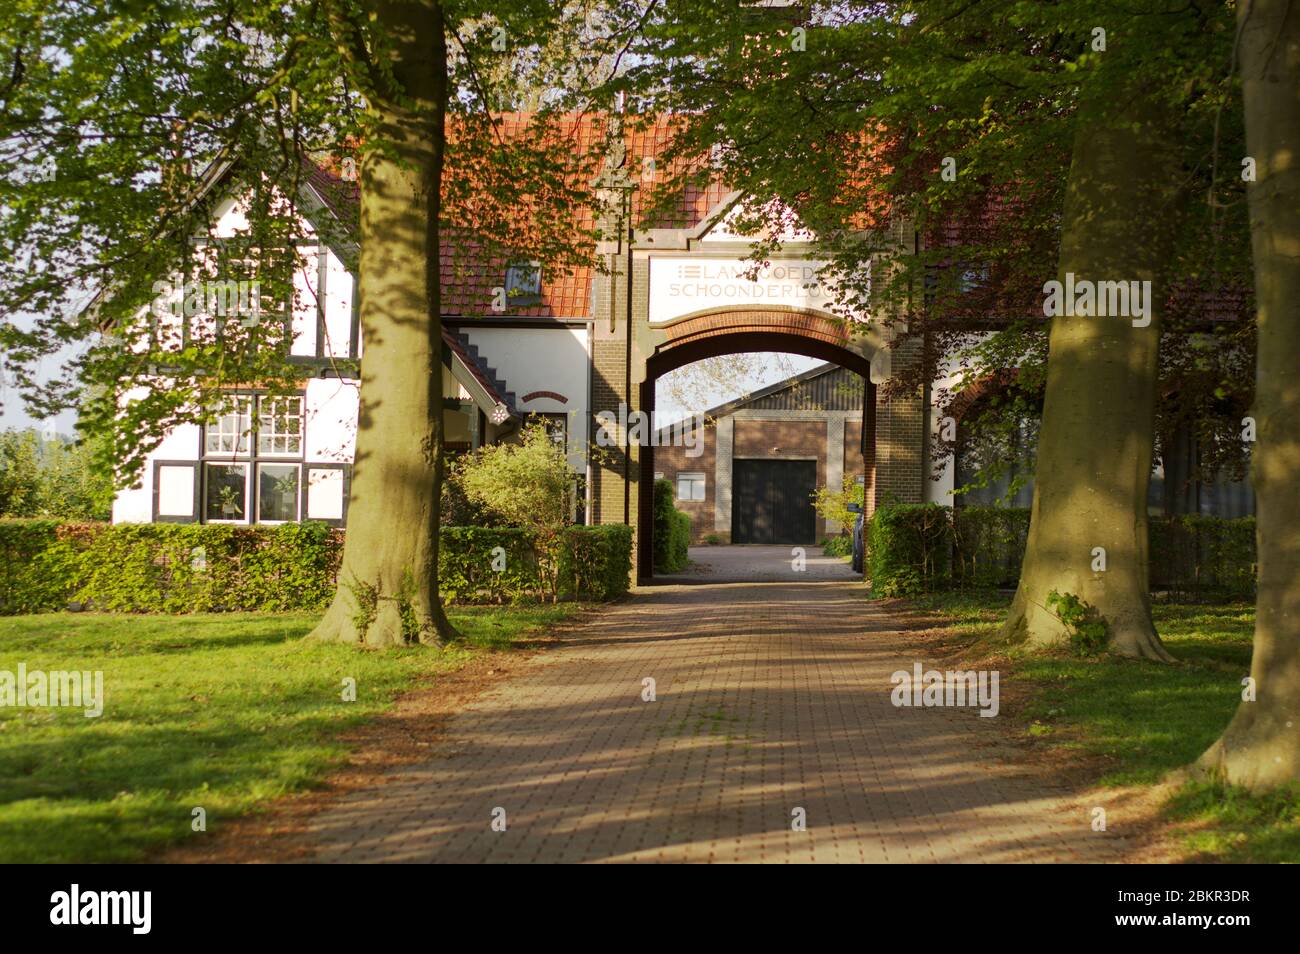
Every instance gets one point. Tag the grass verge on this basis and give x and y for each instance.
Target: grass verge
(223, 712)
(1133, 721)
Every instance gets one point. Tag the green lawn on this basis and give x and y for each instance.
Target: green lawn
(223, 711)
(1139, 720)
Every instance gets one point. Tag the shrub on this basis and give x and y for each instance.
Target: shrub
(531, 485)
(34, 576)
(596, 562)
(1203, 557)
(1088, 631)
(838, 546)
(1192, 556)
(672, 531)
(172, 568)
(832, 504)
(988, 545)
(50, 478)
(909, 549)
(471, 570)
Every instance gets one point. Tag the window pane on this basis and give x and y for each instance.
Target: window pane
(690, 486)
(279, 426)
(228, 434)
(277, 492)
(226, 492)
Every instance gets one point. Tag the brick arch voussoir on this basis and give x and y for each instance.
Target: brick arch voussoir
(801, 323)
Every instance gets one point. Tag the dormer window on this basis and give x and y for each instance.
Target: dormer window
(523, 284)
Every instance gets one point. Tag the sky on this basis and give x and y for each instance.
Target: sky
(667, 411)
(13, 412)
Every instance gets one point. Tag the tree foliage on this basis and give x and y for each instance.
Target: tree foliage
(42, 477)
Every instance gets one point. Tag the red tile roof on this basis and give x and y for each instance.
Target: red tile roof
(471, 273)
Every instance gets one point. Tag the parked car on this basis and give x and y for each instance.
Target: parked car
(858, 543)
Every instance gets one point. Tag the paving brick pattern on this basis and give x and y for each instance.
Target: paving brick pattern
(770, 698)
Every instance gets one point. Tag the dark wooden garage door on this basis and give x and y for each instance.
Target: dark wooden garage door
(771, 501)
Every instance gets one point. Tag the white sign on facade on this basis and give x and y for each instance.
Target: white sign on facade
(680, 286)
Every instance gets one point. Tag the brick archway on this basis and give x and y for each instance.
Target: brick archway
(723, 331)
(798, 330)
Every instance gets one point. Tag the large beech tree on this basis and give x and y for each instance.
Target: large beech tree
(124, 126)
(388, 592)
(1261, 746)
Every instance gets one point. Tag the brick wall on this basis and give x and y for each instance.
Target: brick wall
(670, 461)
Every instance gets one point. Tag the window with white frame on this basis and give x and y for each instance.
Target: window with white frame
(252, 468)
(279, 427)
(690, 486)
(229, 433)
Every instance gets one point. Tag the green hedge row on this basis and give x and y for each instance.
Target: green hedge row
(916, 548)
(909, 549)
(1195, 555)
(171, 568)
(672, 530)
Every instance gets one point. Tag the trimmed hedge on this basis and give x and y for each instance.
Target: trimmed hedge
(596, 562)
(174, 568)
(672, 530)
(915, 548)
(1206, 557)
(909, 549)
(988, 545)
(34, 566)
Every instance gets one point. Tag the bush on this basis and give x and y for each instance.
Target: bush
(672, 531)
(33, 574)
(173, 568)
(1192, 556)
(596, 562)
(469, 571)
(51, 478)
(1200, 557)
(909, 549)
(530, 485)
(833, 504)
(1088, 631)
(167, 568)
(840, 546)
(988, 545)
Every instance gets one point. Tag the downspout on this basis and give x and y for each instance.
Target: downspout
(627, 369)
(588, 517)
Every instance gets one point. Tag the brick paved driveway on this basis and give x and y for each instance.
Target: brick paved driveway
(770, 698)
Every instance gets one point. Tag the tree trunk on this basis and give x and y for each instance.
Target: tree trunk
(388, 586)
(1096, 439)
(1261, 746)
